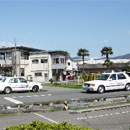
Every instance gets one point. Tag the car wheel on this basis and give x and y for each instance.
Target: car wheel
(35, 88)
(101, 89)
(127, 87)
(7, 90)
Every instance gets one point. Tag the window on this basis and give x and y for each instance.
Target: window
(35, 61)
(38, 74)
(9, 55)
(22, 80)
(24, 55)
(121, 76)
(45, 74)
(14, 80)
(113, 76)
(22, 71)
(44, 60)
(57, 60)
(2, 56)
(62, 60)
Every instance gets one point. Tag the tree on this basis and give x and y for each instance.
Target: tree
(83, 53)
(107, 51)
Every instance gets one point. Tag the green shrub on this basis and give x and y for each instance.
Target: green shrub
(51, 80)
(36, 125)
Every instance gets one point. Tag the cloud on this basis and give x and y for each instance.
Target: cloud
(106, 41)
(6, 44)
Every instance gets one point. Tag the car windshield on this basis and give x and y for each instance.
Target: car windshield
(103, 77)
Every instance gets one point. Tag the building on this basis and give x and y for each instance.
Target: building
(15, 60)
(96, 66)
(46, 65)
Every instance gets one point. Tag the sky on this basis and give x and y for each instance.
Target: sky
(66, 25)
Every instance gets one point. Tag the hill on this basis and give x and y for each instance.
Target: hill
(127, 56)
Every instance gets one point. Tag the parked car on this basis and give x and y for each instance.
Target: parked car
(108, 81)
(10, 84)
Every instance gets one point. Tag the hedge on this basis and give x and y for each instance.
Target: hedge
(36, 125)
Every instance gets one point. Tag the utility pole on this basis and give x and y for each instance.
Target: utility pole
(15, 58)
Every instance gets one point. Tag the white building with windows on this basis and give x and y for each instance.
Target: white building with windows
(44, 65)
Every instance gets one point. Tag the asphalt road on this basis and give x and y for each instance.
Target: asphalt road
(53, 94)
(118, 119)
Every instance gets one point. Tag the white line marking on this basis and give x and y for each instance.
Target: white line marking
(13, 100)
(46, 118)
(43, 95)
(28, 96)
(123, 112)
(21, 96)
(100, 115)
(49, 94)
(35, 95)
(117, 113)
(13, 97)
(90, 117)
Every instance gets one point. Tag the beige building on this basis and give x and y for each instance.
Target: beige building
(15, 61)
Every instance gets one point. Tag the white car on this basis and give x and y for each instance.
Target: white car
(108, 81)
(10, 84)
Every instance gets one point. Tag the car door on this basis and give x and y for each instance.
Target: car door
(121, 80)
(113, 82)
(14, 84)
(23, 84)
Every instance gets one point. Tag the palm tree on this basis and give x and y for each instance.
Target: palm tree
(83, 53)
(107, 51)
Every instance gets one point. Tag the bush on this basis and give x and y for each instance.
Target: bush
(51, 80)
(36, 125)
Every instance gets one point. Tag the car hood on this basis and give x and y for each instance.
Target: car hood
(96, 81)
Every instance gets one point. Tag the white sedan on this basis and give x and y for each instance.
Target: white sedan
(11, 84)
(108, 81)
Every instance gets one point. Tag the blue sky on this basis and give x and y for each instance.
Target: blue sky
(67, 25)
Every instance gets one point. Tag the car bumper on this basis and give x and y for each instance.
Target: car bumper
(89, 88)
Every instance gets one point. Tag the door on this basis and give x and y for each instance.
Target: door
(121, 80)
(112, 85)
(14, 84)
(23, 84)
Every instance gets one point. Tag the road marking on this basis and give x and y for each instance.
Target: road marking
(36, 95)
(28, 96)
(43, 95)
(13, 100)
(13, 97)
(46, 118)
(106, 114)
(117, 113)
(21, 96)
(111, 114)
(49, 94)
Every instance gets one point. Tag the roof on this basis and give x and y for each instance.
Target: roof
(101, 67)
(19, 47)
(50, 51)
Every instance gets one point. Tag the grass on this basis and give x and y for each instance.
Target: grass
(64, 86)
